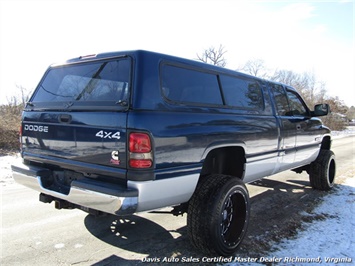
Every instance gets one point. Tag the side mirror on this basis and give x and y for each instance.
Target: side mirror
(321, 110)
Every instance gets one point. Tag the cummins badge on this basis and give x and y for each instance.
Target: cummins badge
(115, 157)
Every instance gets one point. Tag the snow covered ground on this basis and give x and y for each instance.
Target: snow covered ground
(349, 131)
(337, 232)
(5, 170)
(334, 235)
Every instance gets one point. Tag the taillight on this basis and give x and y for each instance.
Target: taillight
(140, 151)
(139, 143)
(20, 137)
(134, 163)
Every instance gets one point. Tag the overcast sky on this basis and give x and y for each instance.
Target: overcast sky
(313, 36)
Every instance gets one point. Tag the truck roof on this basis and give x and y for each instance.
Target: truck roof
(161, 56)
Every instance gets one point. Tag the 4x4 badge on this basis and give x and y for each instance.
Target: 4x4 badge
(108, 135)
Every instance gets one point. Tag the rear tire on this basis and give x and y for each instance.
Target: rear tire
(218, 215)
(322, 171)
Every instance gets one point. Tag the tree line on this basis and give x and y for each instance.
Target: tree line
(312, 90)
(10, 120)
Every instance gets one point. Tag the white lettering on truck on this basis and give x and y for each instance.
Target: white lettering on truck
(36, 128)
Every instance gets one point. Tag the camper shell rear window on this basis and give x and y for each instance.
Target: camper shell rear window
(100, 84)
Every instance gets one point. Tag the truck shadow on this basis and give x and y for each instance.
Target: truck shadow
(141, 236)
(276, 213)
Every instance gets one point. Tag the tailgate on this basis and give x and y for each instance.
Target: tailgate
(89, 137)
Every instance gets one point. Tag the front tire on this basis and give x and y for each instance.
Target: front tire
(322, 171)
(218, 215)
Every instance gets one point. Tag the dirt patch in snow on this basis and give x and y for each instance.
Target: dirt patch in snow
(281, 215)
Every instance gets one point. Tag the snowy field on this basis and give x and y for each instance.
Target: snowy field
(349, 131)
(336, 234)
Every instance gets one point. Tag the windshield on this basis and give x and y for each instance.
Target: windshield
(95, 83)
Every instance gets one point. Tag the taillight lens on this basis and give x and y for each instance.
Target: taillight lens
(140, 163)
(20, 137)
(139, 142)
(140, 151)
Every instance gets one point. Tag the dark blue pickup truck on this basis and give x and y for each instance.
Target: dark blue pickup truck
(134, 131)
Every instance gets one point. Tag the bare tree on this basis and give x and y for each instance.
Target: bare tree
(255, 67)
(213, 56)
(20, 98)
(306, 84)
(337, 105)
(313, 92)
(338, 119)
(287, 77)
(351, 113)
(10, 119)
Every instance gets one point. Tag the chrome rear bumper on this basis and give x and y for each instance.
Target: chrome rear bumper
(87, 193)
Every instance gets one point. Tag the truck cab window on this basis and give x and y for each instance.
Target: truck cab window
(298, 108)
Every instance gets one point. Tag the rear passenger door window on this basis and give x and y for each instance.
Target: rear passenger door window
(184, 85)
(242, 92)
(281, 102)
